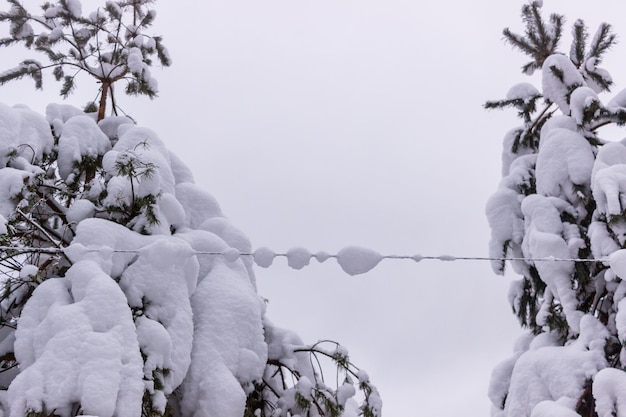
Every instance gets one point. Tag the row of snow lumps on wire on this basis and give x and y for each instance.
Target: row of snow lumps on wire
(354, 260)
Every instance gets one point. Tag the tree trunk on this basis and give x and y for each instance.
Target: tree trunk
(106, 85)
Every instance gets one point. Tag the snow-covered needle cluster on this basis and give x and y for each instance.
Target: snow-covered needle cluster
(110, 45)
(563, 194)
(125, 319)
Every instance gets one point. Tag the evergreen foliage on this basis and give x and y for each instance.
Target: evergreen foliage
(95, 206)
(109, 45)
(562, 196)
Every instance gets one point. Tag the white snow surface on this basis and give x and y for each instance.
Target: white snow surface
(298, 258)
(544, 239)
(522, 91)
(133, 309)
(355, 260)
(555, 89)
(76, 342)
(80, 138)
(609, 386)
(555, 373)
(565, 160)
(581, 100)
(23, 133)
(229, 349)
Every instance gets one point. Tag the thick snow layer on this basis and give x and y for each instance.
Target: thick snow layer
(617, 262)
(612, 153)
(298, 258)
(355, 260)
(609, 386)
(602, 242)
(553, 409)
(556, 373)
(264, 257)
(229, 349)
(110, 126)
(181, 172)
(58, 114)
(160, 283)
(565, 161)
(504, 214)
(11, 185)
(76, 342)
(80, 139)
(198, 204)
(23, 133)
(508, 156)
(581, 101)
(522, 91)
(544, 239)
(609, 189)
(80, 210)
(559, 77)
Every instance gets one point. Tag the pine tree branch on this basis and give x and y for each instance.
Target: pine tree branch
(602, 42)
(39, 228)
(579, 43)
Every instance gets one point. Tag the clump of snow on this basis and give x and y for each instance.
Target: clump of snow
(582, 99)
(559, 78)
(617, 262)
(609, 189)
(355, 260)
(565, 161)
(76, 334)
(229, 349)
(298, 258)
(74, 7)
(544, 240)
(28, 271)
(504, 214)
(322, 256)
(264, 257)
(58, 114)
(23, 133)
(81, 139)
(609, 386)
(231, 254)
(12, 182)
(553, 409)
(198, 204)
(110, 126)
(160, 283)
(80, 210)
(556, 373)
(522, 91)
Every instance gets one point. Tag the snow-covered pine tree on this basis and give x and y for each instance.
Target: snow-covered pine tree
(126, 291)
(109, 45)
(560, 210)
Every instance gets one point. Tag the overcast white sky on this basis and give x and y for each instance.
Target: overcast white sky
(328, 123)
